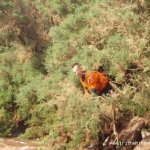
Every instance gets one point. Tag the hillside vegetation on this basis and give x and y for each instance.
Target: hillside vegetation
(39, 42)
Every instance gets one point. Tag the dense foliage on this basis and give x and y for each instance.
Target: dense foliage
(41, 39)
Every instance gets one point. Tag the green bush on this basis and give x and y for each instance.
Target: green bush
(40, 88)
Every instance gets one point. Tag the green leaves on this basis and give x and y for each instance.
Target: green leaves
(37, 85)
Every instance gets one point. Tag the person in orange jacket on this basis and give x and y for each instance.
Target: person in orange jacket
(94, 82)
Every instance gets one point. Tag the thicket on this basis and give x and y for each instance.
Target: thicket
(39, 42)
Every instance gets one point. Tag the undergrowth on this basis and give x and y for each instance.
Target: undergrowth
(39, 42)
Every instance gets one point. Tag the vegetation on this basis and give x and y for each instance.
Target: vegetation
(41, 39)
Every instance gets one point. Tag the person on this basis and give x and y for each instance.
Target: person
(94, 82)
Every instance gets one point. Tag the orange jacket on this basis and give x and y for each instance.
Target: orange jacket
(94, 80)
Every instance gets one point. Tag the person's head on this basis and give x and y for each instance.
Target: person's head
(77, 69)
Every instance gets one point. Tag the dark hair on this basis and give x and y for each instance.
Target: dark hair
(76, 64)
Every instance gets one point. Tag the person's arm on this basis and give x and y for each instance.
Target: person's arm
(92, 82)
